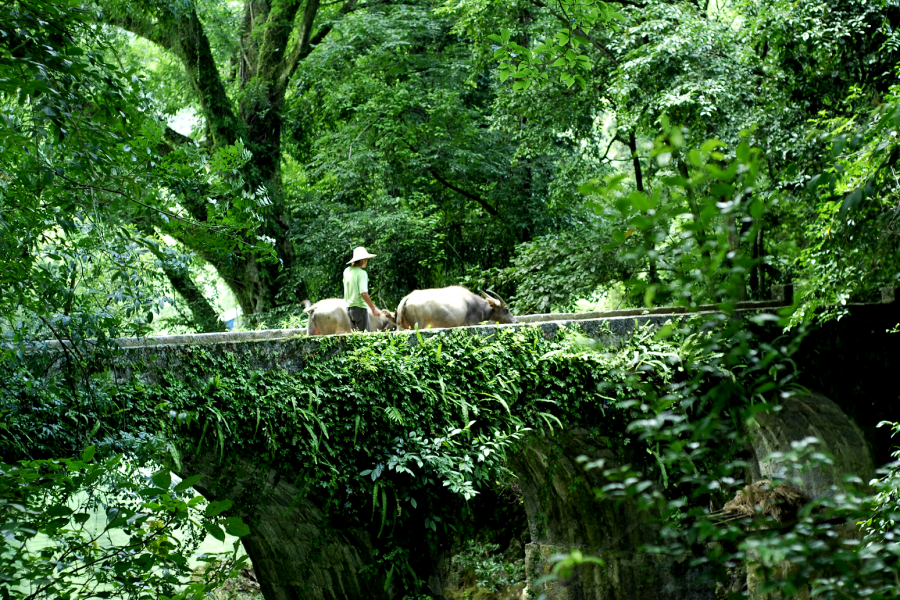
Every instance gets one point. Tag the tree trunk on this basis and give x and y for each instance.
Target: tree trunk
(734, 244)
(206, 320)
(264, 65)
(653, 275)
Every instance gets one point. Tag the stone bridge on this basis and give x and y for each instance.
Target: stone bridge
(301, 550)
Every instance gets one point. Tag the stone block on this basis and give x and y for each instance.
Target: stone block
(783, 294)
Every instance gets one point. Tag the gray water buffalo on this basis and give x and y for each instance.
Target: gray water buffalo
(450, 307)
(328, 317)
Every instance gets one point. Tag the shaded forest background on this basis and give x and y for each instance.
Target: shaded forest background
(250, 145)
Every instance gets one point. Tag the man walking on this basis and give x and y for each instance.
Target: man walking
(356, 290)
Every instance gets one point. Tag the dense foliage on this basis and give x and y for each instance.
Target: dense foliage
(656, 151)
(80, 527)
(453, 140)
(388, 435)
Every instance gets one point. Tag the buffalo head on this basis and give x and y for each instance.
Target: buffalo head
(387, 321)
(499, 309)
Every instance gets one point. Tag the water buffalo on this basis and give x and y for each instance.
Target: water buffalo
(328, 317)
(450, 307)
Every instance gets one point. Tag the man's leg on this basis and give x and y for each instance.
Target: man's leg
(359, 318)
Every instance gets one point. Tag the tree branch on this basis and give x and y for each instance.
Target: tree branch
(182, 34)
(172, 138)
(579, 31)
(158, 32)
(487, 207)
(222, 229)
(638, 174)
(175, 138)
(205, 318)
(276, 33)
(201, 68)
(306, 42)
(614, 139)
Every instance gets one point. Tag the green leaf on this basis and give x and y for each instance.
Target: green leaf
(58, 510)
(722, 189)
(235, 526)
(695, 157)
(187, 483)
(214, 530)
(814, 182)
(173, 452)
(757, 208)
(640, 201)
(162, 478)
(837, 145)
(665, 332)
(851, 201)
(88, 454)
(217, 507)
(710, 145)
(675, 181)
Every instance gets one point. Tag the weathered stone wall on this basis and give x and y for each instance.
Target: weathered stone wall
(285, 349)
(559, 497)
(811, 415)
(801, 416)
(623, 576)
(853, 362)
(564, 515)
(295, 555)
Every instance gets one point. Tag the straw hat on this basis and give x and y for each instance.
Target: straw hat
(359, 254)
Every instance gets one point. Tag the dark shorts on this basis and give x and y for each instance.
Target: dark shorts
(359, 318)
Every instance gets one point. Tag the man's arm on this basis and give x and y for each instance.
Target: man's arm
(375, 311)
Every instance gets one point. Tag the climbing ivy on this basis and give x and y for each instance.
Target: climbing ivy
(392, 433)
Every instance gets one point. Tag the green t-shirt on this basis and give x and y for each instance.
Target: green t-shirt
(356, 282)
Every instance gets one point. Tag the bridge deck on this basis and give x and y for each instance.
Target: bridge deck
(619, 322)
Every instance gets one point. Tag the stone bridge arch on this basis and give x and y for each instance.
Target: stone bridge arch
(298, 554)
(296, 549)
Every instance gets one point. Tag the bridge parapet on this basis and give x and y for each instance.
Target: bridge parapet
(620, 322)
(618, 325)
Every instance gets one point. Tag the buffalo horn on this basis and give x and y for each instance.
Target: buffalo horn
(490, 299)
(501, 300)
